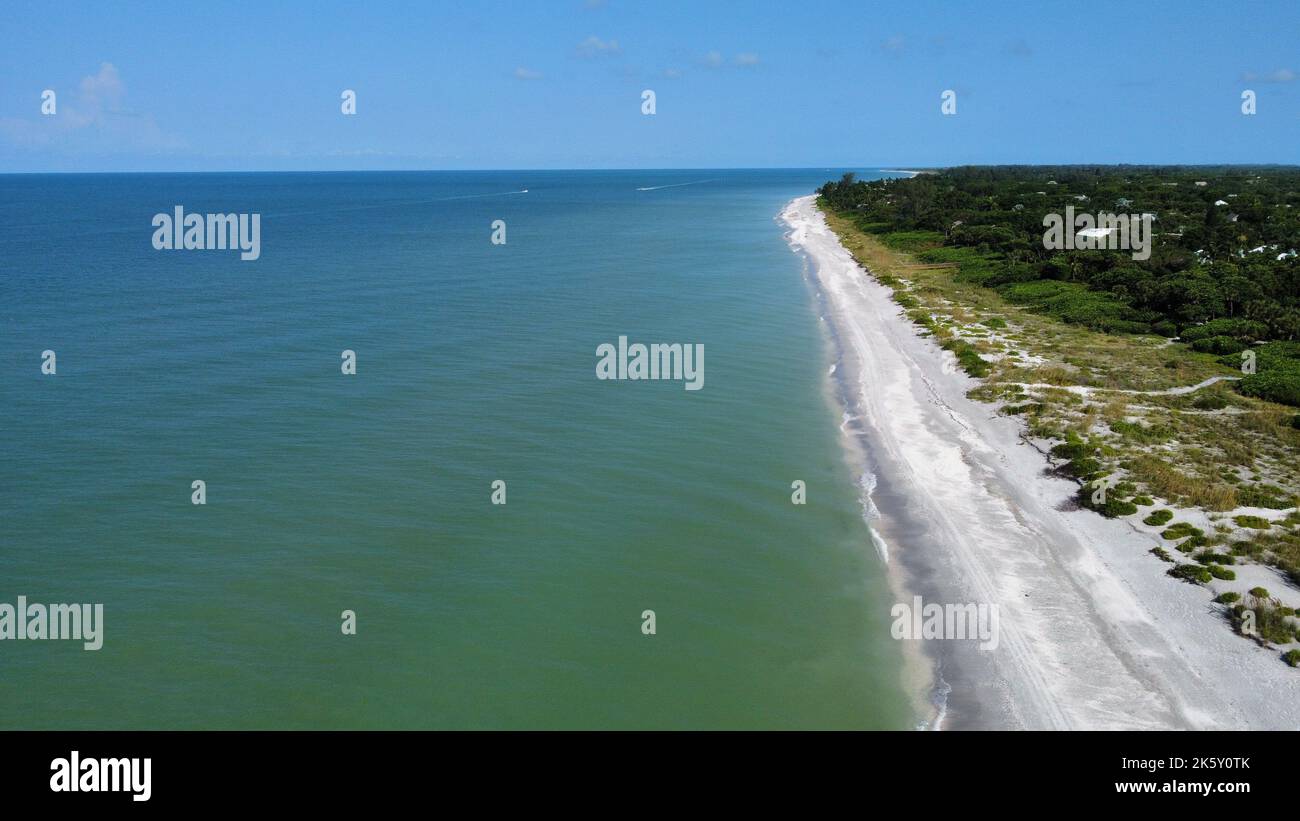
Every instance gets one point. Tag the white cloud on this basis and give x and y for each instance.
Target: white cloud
(713, 59)
(94, 119)
(593, 46)
(1282, 75)
(522, 73)
(102, 92)
(895, 44)
(747, 59)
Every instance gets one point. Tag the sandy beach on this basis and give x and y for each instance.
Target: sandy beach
(1093, 634)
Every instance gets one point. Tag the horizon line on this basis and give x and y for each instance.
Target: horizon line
(832, 167)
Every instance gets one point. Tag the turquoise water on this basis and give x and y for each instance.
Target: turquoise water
(475, 362)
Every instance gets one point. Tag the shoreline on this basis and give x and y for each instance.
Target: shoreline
(1093, 636)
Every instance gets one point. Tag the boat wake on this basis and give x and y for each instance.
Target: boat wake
(479, 196)
(674, 185)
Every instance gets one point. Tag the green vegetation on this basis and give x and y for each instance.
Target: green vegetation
(1221, 278)
(1241, 330)
(1264, 619)
(1079, 463)
(1181, 530)
(1221, 572)
(1192, 573)
(1210, 557)
(1281, 385)
(1277, 372)
(1158, 517)
(1263, 496)
(967, 356)
(1112, 508)
(1256, 522)
(1210, 400)
(1144, 434)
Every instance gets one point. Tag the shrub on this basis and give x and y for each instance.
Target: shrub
(1072, 302)
(1080, 462)
(1181, 530)
(1221, 573)
(1210, 557)
(1143, 501)
(1191, 573)
(1071, 449)
(1142, 433)
(1210, 401)
(1124, 489)
(1118, 507)
(1083, 467)
(1262, 497)
(1228, 597)
(922, 318)
(1028, 407)
(912, 240)
(1279, 383)
(1242, 329)
(1113, 506)
(1158, 517)
(1268, 621)
(1274, 355)
(1161, 554)
(968, 357)
(1219, 345)
(1241, 548)
(1292, 657)
(1259, 592)
(1254, 522)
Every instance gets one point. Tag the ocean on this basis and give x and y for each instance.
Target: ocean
(373, 492)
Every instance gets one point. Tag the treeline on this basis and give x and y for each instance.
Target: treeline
(1224, 269)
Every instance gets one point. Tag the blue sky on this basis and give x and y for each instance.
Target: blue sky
(256, 85)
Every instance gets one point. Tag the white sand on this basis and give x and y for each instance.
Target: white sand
(1094, 635)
